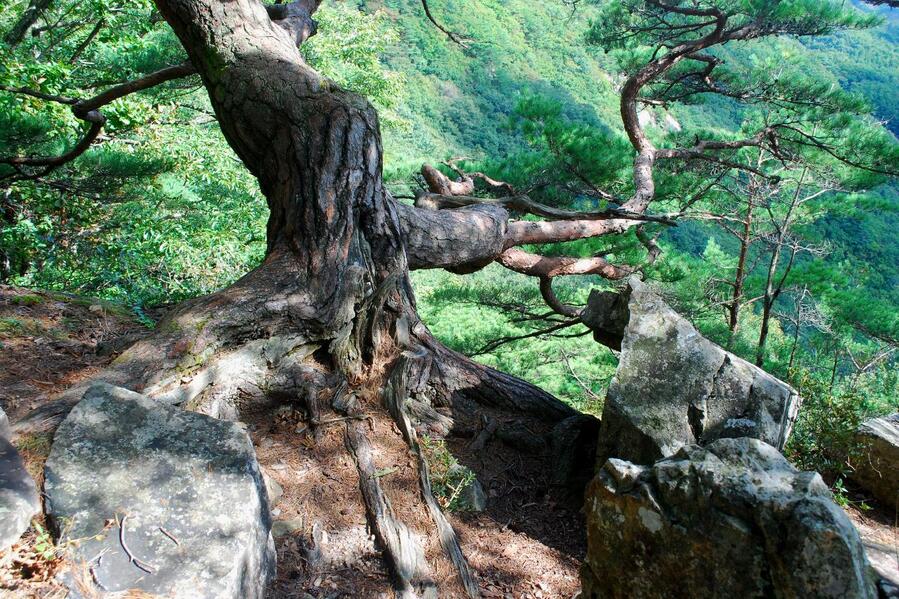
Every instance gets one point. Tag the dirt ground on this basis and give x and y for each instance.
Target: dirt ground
(527, 544)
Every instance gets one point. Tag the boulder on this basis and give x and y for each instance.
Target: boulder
(19, 501)
(164, 501)
(877, 459)
(674, 387)
(732, 519)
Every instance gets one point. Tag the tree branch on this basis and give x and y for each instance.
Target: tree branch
(523, 232)
(87, 41)
(549, 296)
(492, 345)
(454, 37)
(524, 205)
(295, 18)
(17, 33)
(89, 111)
(96, 120)
(556, 266)
(129, 87)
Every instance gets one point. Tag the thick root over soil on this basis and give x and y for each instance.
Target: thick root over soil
(201, 359)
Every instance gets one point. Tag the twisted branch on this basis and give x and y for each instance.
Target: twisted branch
(87, 110)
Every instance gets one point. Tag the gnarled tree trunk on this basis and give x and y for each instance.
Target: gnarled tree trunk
(328, 319)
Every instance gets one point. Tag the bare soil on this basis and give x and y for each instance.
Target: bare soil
(48, 342)
(527, 544)
(879, 531)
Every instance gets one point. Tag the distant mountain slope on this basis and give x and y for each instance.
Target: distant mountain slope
(867, 62)
(457, 100)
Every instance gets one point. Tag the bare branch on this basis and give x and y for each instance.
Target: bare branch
(523, 232)
(582, 384)
(454, 37)
(556, 266)
(129, 87)
(88, 111)
(440, 184)
(494, 344)
(87, 41)
(652, 248)
(549, 296)
(38, 94)
(524, 205)
(49, 163)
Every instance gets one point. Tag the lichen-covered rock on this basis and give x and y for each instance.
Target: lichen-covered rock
(19, 501)
(182, 491)
(733, 519)
(674, 387)
(877, 460)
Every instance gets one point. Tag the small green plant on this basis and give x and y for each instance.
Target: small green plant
(841, 496)
(10, 327)
(449, 478)
(839, 493)
(26, 300)
(36, 443)
(15, 327)
(823, 437)
(43, 542)
(143, 318)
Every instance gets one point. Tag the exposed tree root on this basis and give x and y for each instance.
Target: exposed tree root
(396, 397)
(328, 320)
(401, 549)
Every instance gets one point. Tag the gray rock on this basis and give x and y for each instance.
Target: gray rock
(5, 430)
(674, 387)
(281, 528)
(273, 489)
(606, 314)
(474, 497)
(733, 519)
(19, 501)
(126, 468)
(887, 589)
(877, 459)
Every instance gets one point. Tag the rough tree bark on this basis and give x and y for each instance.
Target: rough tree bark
(328, 320)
